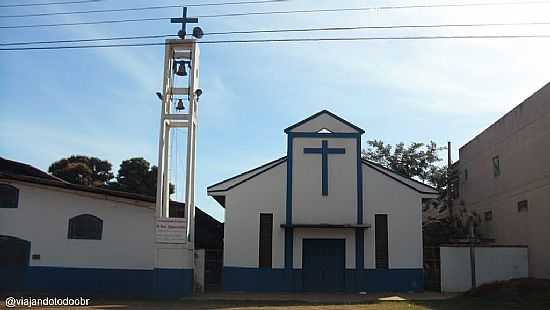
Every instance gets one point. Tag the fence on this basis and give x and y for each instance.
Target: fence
(464, 267)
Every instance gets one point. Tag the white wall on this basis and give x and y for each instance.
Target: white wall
(494, 264)
(266, 194)
(42, 218)
(455, 269)
(308, 205)
(243, 205)
(383, 195)
(491, 264)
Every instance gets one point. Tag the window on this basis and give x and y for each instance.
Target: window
(85, 226)
(381, 240)
(266, 236)
(496, 166)
(523, 206)
(488, 216)
(9, 196)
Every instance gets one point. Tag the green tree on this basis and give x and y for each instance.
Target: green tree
(417, 160)
(421, 161)
(83, 170)
(136, 175)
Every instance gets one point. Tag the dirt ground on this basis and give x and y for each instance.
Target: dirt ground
(457, 303)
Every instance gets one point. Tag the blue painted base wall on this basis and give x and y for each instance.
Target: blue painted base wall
(282, 280)
(155, 283)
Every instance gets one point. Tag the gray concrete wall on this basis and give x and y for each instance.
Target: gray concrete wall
(491, 264)
(521, 140)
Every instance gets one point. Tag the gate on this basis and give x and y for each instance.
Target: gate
(432, 269)
(213, 267)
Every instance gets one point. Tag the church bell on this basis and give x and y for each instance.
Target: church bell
(179, 105)
(181, 69)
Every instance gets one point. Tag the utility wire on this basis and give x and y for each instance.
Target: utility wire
(46, 3)
(380, 8)
(284, 40)
(279, 12)
(87, 23)
(145, 8)
(279, 31)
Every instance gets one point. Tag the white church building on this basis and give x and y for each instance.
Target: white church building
(322, 218)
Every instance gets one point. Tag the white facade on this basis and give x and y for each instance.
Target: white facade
(316, 214)
(42, 218)
(125, 260)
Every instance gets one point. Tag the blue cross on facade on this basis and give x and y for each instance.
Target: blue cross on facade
(324, 151)
(183, 20)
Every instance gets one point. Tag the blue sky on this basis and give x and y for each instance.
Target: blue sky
(101, 102)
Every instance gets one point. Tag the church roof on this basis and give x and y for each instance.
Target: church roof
(16, 171)
(16, 168)
(217, 191)
(322, 117)
(409, 182)
(234, 181)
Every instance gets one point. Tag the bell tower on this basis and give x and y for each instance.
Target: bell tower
(180, 96)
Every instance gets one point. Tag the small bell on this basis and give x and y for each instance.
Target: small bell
(179, 105)
(181, 69)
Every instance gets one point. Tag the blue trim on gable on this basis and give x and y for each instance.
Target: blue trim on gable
(324, 135)
(359, 183)
(245, 279)
(289, 180)
(329, 113)
(276, 164)
(150, 283)
(289, 235)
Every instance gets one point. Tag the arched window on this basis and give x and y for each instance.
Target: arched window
(9, 196)
(85, 226)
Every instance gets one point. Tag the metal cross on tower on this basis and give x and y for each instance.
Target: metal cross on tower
(183, 20)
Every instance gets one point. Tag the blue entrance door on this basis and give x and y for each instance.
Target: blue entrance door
(323, 265)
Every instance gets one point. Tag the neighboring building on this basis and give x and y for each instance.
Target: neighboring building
(322, 218)
(504, 176)
(61, 238)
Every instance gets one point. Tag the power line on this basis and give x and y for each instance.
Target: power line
(46, 3)
(144, 8)
(279, 12)
(379, 8)
(377, 27)
(87, 23)
(284, 40)
(280, 31)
